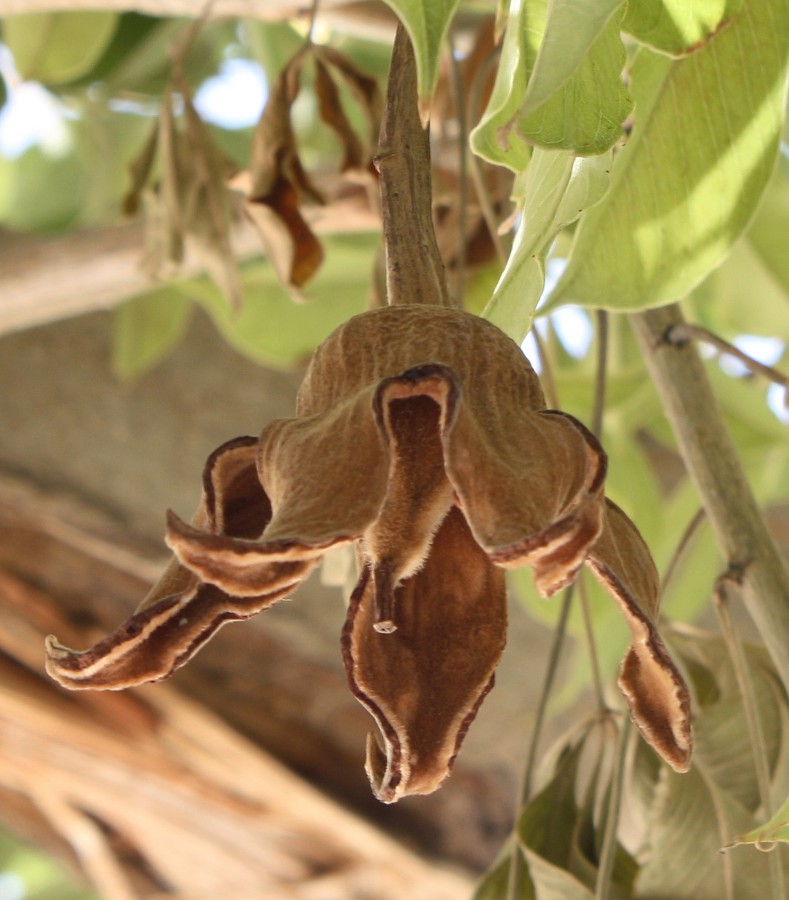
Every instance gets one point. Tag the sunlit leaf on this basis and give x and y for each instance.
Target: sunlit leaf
(676, 26)
(493, 139)
(559, 82)
(426, 24)
(557, 188)
(689, 180)
(54, 48)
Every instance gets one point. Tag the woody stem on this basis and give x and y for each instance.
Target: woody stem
(414, 268)
(713, 465)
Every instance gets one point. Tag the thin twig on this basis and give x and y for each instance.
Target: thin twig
(685, 331)
(184, 46)
(601, 373)
(594, 661)
(462, 198)
(723, 588)
(682, 546)
(517, 868)
(605, 869)
(546, 370)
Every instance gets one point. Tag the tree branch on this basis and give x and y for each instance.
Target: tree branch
(50, 278)
(713, 464)
(258, 9)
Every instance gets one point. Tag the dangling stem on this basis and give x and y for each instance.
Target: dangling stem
(414, 268)
(691, 529)
(517, 868)
(605, 870)
(462, 197)
(596, 427)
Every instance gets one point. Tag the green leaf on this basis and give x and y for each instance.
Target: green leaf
(559, 838)
(571, 29)
(690, 820)
(426, 24)
(676, 26)
(775, 830)
(767, 234)
(40, 192)
(689, 180)
(495, 884)
(557, 188)
(559, 82)
(145, 329)
(55, 48)
(493, 138)
(271, 328)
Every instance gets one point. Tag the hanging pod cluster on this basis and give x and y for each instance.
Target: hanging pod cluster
(421, 436)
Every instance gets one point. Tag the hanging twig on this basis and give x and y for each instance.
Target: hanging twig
(679, 551)
(605, 870)
(517, 866)
(462, 197)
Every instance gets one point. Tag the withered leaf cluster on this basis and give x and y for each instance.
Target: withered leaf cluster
(277, 184)
(190, 190)
(180, 180)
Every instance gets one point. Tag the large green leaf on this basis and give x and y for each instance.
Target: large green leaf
(557, 188)
(270, 327)
(767, 234)
(146, 328)
(54, 48)
(676, 26)
(426, 24)
(559, 82)
(688, 182)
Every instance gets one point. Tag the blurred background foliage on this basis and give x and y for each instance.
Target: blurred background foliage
(588, 189)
